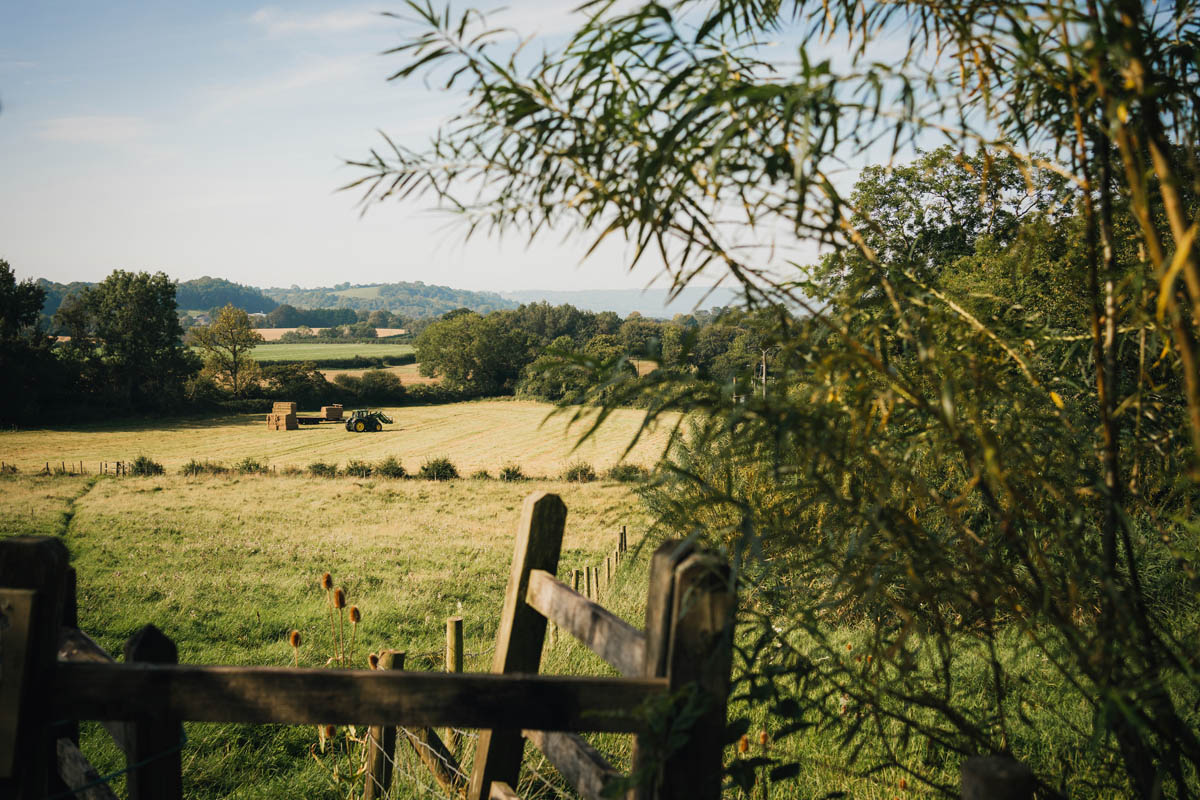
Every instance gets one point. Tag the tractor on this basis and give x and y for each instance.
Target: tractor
(362, 420)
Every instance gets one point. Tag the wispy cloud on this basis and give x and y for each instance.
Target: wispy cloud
(281, 23)
(94, 129)
(272, 87)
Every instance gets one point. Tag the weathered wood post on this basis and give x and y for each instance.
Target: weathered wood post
(155, 742)
(701, 656)
(996, 777)
(521, 636)
(659, 599)
(381, 755)
(454, 663)
(587, 583)
(576, 579)
(32, 574)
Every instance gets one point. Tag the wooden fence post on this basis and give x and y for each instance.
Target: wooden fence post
(587, 583)
(996, 778)
(577, 577)
(521, 635)
(32, 574)
(154, 743)
(701, 655)
(454, 663)
(660, 596)
(381, 755)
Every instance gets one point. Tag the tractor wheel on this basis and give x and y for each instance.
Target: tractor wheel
(359, 426)
(349, 425)
(376, 425)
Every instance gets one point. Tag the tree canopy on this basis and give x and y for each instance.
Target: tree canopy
(982, 438)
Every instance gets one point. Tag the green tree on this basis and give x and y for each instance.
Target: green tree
(26, 360)
(227, 344)
(473, 353)
(917, 476)
(127, 340)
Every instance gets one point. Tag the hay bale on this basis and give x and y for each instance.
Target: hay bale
(290, 423)
(285, 408)
(282, 422)
(333, 412)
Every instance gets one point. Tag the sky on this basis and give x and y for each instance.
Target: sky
(209, 139)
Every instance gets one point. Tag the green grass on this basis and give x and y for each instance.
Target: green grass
(323, 352)
(227, 566)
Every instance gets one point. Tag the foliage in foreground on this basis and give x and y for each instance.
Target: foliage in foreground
(978, 444)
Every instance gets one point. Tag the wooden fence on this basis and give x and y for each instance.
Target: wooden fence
(52, 675)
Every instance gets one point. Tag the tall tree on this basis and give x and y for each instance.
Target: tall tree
(126, 336)
(26, 360)
(227, 344)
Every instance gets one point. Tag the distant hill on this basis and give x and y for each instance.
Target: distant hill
(200, 294)
(648, 302)
(205, 293)
(415, 299)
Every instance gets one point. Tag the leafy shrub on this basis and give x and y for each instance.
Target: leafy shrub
(358, 469)
(291, 469)
(320, 469)
(580, 472)
(195, 467)
(438, 469)
(511, 472)
(379, 387)
(143, 465)
(481, 475)
(250, 466)
(390, 467)
(627, 473)
(8, 469)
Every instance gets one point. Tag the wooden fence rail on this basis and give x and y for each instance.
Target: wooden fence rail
(54, 672)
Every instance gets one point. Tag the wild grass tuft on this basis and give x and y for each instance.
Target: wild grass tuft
(511, 472)
(390, 467)
(251, 466)
(145, 466)
(358, 469)
(627, 473)
(322, 469)
(580, 472)
(438, 469)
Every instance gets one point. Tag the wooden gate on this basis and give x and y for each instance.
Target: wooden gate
(52, 675)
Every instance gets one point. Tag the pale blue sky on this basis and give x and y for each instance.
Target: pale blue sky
(208, 138)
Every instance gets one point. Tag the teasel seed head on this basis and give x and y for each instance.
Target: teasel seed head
(326, 581)
(339, 598)
(744, 743)
(762, 737)
(355, 615)
(373, 661)
(294, 639)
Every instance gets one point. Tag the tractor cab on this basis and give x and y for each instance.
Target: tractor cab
(362, 420)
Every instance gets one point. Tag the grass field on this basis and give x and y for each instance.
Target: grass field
(228, 566)
(409, 374)
(484, 434)
(319, 352)
(275, 334)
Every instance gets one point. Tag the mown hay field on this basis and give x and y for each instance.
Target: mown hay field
(306, 351)
(485, 434)
(227, 566)
(275, 334)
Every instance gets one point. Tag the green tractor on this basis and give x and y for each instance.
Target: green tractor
(362, 420)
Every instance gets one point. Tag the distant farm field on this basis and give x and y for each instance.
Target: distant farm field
(476, 435)
(322, 352)
(275, 334)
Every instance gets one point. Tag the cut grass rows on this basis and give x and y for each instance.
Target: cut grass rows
(478, 435)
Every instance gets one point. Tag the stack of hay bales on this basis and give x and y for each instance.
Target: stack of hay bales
(333, 413)
(282, 417)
